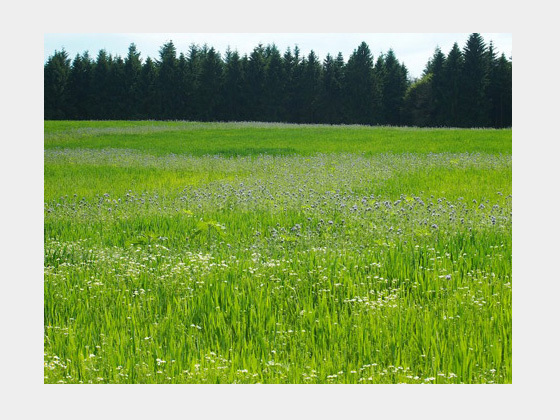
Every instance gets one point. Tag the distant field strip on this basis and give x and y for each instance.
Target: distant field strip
(232, 139)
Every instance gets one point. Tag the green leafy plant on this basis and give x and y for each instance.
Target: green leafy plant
(210, 229)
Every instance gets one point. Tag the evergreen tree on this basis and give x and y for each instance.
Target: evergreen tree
(132, 71)
(233, 94)
(500, 91)
(56, 75)
(452, 81)
(117, 87)
(332, 94)
(210, 88)
(168, 79)
(310, 89)
(379, 74)
(361, 90)
(255, 84)
(191, 81)
(79, 85)
(394, 85)
(435, 68)
(147, 85)
(182, 87)
(292, 95)
(274, 84)
(101, 86)
(475, 108)
(340, 71)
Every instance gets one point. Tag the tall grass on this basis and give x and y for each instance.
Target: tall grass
(344, 261)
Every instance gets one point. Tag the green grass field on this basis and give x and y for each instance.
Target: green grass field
(183, 252)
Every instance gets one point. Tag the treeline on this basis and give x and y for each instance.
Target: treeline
(467, 88)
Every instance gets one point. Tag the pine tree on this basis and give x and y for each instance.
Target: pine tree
(500, 90)
(395, 84)
(117, 87)
(438, 92)
(361, 90)
(452, 82)
(233, 94)
(491, 62)
(132, 71)
(182, 87)
(255, 83)
(79, 85)
(292, 94)
(332, 90)
(101, 86)
(210, 88)
(148, 87)
(475, 81)
(168, 79)
(274, 84)
(191, 82)
(310, 88)
(379, 75)
(56, 75)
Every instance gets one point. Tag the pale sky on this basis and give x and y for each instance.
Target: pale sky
(412, 49)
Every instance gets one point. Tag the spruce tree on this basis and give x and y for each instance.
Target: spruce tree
(101, 86)
(310, 89)
(148, 88)
(132, 71)
(395, 84)
(191, 82)
(361, 90)
(79, 85)
(255, 83)
(501, 84)
(233, 94)
(499, 89)
(452, 82)
(438, 92)
(475, 81)
(117, 87)
(292, 75)
(168, 78)
(274, 84)
(56, 75)
(332, 90)
(210, 88)
(182, 90)
(379, 78)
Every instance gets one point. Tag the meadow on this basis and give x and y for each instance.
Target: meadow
(179, 252)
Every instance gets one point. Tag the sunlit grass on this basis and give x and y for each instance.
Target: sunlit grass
(322, 265)
(231, 139)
